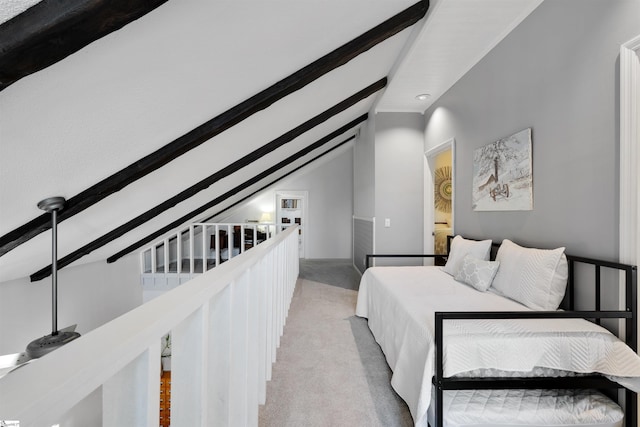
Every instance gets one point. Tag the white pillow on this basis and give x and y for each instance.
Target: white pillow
(477, 272)
(462, 247)
(536, 278)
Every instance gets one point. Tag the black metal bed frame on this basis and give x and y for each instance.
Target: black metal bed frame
(442, 383)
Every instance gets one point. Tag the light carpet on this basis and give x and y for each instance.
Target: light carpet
(329, 369)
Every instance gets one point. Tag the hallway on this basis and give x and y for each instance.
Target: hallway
(329, 370)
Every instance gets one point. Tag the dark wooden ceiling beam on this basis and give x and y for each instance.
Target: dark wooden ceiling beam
(51, 30)
(152, 213)
(189, 217)
(215, 126)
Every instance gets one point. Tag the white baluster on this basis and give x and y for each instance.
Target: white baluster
(131, 396)
(179, 252)
(189, 370)
(219, 358)
(192, 248)
(238, 393)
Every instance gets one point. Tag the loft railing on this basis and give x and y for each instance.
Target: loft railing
(201, 246)
(225, 324)
(196, 249)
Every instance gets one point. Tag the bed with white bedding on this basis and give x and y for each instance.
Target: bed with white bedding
(400, 304)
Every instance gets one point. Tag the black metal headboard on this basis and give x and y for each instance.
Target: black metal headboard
(629, 280)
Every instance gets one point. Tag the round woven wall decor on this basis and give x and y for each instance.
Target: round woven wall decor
(443, 189)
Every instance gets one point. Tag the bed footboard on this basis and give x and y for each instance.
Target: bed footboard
(583, 382)
(630, 337)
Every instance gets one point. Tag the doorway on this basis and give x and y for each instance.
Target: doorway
(629, 227)
(291, 211)
(439, 193)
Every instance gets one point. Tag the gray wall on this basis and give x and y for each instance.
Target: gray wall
(329, 182)
(330, 207)
(362, 242)
(399, 163)
(557, 73)
(364, 171)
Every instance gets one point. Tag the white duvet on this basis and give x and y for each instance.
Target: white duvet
(400, 303)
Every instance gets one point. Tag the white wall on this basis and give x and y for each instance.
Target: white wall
(399, 158)
(89, 295)
(558, 73)
(329, 182)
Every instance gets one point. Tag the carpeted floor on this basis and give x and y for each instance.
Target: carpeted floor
(335, 272)
(329, 369)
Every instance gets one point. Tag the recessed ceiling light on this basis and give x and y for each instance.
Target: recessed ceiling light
(423, 96)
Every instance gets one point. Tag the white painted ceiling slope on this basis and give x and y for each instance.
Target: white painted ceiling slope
(67, 127)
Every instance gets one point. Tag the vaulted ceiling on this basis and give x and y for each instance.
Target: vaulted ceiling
(200, 103)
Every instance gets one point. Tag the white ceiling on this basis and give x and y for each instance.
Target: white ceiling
(453, 37)
(124, 96)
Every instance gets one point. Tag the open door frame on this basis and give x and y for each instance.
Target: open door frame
(629, 227)
(630, 151)
(429, 198)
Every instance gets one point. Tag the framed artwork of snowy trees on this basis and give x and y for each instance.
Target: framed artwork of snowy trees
(502, 174)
